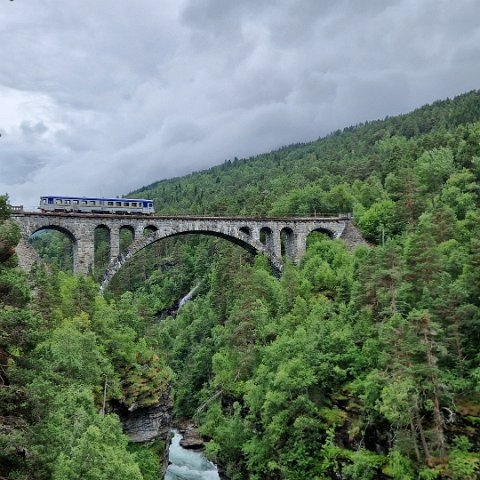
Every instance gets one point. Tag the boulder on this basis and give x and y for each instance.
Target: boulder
(191, 440)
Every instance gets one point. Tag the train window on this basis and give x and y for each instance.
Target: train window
(92, 202)
(84, 202)
(44, 201)
(126, 204)
(118, 204)
(110, 204)
(134, 204)
(75, 202)
(58, 201)
(67, 202)
(150, 204)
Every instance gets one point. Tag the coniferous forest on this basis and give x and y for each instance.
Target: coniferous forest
(352, 365)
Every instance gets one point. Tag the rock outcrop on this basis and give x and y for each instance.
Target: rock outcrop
(27, 255)
(147, 423)
(352, 236)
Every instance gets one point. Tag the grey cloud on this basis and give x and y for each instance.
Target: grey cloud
(33, 130)
(181, 130)
(21, 165)
(220, 17)
(113, 95)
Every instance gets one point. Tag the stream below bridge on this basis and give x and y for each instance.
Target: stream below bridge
(188, 464)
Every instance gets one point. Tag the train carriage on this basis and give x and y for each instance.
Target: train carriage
(96, 205)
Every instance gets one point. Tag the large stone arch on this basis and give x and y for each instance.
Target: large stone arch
(241, 239)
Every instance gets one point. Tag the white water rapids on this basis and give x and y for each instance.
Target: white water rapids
(188, 296)
(188, 464)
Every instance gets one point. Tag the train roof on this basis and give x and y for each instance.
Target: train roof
(116, 199)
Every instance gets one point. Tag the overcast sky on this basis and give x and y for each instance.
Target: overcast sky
(99, 97)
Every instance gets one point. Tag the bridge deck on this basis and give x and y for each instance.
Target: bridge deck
(317, 218)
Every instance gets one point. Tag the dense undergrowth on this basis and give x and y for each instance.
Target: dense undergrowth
(356, 366)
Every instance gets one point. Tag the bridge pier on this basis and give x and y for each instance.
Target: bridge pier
(83, 255)
(114, 242)
(138, 232)
(300, 242)
(276, 244)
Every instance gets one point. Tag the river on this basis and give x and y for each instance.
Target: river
(188, 464)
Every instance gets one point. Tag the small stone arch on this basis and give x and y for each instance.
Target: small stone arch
(127, 236)
(287, 242)
(128, 227)
(331, 234)
(102, 247)
(149, 230)
(246, 230)
(57, 228)
(266, 237)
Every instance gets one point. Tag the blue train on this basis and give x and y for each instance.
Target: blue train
(96, 205)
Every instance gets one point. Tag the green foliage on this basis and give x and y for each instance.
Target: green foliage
(149, 457)
(58, 348)
(365, 465)
(102, 250)
(379, 222)
(292, 377)
(433, 168)
(323, 176)
(100, 453)
(71, 351)
(462, 463)
(55, 248)
(5, 210)
(9, 236)
(313, 199)
(399, 467)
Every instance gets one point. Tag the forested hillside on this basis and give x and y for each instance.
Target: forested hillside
(360, 365)
(315, 175)
(364, 366)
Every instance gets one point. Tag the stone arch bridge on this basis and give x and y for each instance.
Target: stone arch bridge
(265, 235)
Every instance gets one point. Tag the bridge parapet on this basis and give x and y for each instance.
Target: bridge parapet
(16, 208)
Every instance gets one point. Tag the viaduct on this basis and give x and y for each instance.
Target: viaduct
(273, 237)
